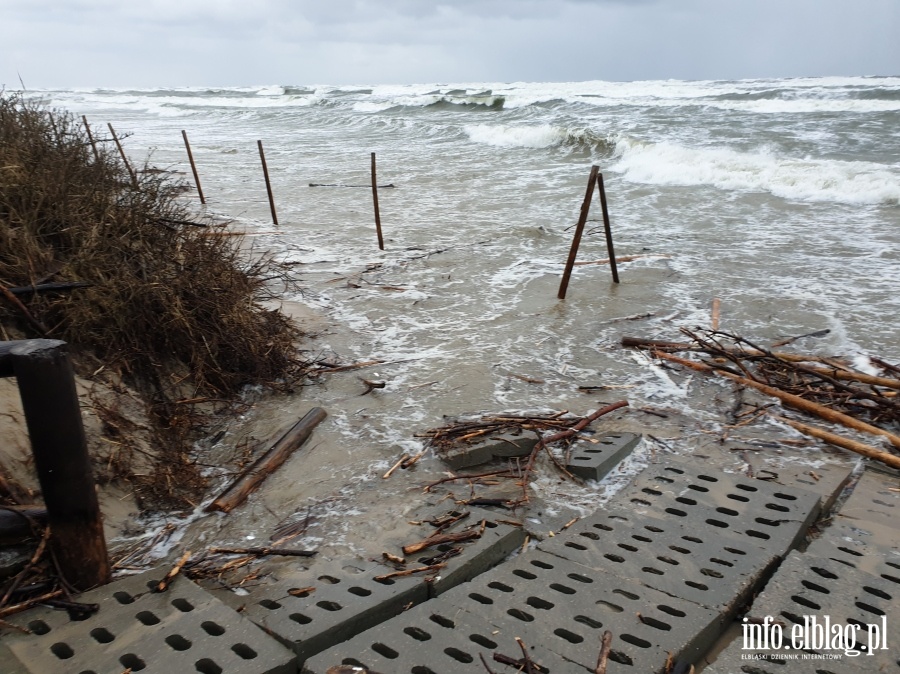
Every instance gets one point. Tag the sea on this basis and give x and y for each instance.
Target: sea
(776, 200)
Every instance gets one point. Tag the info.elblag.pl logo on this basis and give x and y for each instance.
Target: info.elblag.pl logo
(815, 633)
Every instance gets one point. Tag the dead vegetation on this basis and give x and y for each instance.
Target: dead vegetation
(146, 292)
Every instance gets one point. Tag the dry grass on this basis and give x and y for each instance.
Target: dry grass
(172, 307)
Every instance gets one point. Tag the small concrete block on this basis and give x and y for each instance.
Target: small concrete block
(809, 587)
(566, 607)
(594, 461)
(699, 563)
(500, 446)
(345, 600)
(437, 638)
(184, 629)
(775, 517)
(873, 502)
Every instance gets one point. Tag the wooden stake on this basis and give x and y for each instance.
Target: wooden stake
(716, 307)
(238, 491)
(190, 155)
(579, 230)
(122, 154)
(377, 212)
(262, 158)
(87, 128)
(606, 227)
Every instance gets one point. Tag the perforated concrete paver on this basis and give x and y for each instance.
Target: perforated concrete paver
(440, 638)
(330, 603)
(872, 502)
(825, 480)
(184, 629)
(774, 517)
(567, 607)
(698, 563)
(592, 461)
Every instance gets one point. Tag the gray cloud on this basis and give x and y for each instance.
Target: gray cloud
(234, 42)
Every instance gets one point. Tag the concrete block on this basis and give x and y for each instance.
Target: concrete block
(774, 517)
(565, 608)
(593, 461)
(184, 629)
(499, 446)
(344, 601)
(698, 563)
(439, 638)
(873, 549)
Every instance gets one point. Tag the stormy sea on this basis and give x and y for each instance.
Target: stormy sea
(777, 198)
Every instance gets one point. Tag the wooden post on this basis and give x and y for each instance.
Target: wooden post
(375, 199)
(262, 157)
(91, 138)
(50, 402)
(609, 241)
(187, 146)
(122, 154)
(579, 230)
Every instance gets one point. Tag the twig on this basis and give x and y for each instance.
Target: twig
(163, 585)
(409, 572)
(264, 552)
(602, 659)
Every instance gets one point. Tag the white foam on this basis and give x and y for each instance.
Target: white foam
(852, 182)
(535, 136)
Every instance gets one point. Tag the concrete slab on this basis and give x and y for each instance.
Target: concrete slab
(565, 607)
(330, 603)
(699, 563)
(736, 660)
(184, 629)
(775, 517)
(593, 461)
(438, 638)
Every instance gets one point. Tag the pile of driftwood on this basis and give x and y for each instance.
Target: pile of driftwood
(563, 428)
(829, 388)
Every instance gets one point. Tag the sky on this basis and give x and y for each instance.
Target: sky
(173, 43)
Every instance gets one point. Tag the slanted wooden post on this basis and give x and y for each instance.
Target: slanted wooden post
(87, 127)
(262, 158)
(53, 416)
(375, 199)
(187, 146)
(606, 227)
(122, 154)
(579, 230)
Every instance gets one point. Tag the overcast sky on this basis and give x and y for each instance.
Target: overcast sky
(169, 43)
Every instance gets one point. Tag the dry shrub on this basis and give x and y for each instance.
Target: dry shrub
(172, 305)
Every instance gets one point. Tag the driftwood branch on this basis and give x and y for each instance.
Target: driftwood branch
(238, 491)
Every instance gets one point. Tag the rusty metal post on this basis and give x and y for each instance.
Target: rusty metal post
(606, 227)
(377, 213)
(262, 158)
(187, 146)
(53, 416)
(579, 230)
